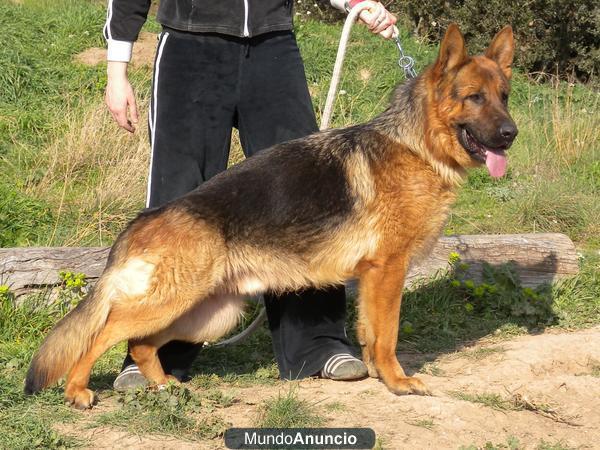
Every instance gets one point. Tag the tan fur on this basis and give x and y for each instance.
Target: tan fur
(173, 275)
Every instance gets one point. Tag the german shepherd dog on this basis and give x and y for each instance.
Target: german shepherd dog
(364, 201)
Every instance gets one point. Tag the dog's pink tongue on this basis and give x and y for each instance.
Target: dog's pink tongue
(496, 163)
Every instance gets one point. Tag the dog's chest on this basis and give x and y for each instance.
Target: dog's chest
(413, 210)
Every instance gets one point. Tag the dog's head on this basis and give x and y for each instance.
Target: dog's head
(471, 100)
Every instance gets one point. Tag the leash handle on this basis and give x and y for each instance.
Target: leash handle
(339, 60)
(405, 62)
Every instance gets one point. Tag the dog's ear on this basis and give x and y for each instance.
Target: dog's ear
(452, 50)
(502, 50)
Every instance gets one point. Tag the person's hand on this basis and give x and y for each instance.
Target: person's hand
(378, 19)
(119, 97)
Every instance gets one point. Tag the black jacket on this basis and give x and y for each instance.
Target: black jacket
(233, 17)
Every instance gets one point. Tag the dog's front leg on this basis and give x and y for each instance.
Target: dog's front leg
(380, 296)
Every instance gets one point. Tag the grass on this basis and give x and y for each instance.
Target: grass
(61, 158)
(428, 424)
(69, 176)
(288, 411)
(79, 178)
(334, 406)
(173, 411)
(26, 422)
(482, 353)
(493, 401)
(516, 402)
(445, 313)
(512, 443)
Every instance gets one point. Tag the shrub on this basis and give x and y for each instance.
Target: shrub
(553, 36)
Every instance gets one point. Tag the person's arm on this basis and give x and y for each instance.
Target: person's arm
(378, 19)
(124, 20)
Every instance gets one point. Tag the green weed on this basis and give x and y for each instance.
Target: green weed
(544, 445)
(334, 406)
(174, 411)
(493, 401)
(26, 421)
(482, 353)
(441, 313)
(512, 443)
(428, 424)
(288, 411)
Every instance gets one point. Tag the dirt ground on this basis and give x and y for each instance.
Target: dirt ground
(549, 385)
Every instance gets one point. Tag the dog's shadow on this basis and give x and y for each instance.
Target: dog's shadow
(251, 358)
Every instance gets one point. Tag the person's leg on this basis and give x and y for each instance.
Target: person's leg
(307, 327)
(191, 113)
(191, 116)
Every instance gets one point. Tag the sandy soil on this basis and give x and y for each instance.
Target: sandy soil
(549, 382)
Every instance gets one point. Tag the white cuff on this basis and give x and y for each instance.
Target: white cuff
(338, 4)
(119, 50)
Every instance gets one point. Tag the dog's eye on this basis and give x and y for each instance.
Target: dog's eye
(505, 98)
(476, 98)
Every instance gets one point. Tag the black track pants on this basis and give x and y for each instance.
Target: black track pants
(203, 85)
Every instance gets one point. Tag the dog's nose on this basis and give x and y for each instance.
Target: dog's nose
(508, 131)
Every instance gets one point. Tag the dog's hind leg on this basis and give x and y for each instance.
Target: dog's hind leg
(207, 321)
(380, 298)
(150, 324)
(145, 354)
(76, 391)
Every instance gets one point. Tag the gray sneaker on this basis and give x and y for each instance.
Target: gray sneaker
(344, 367)
(130, 378)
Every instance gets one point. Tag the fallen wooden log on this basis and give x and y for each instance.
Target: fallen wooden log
(537, 259)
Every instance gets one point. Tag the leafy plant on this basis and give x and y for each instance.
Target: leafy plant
(173, 410)
(552, 35)
(501, 295)
(5, 294)
(452, 308)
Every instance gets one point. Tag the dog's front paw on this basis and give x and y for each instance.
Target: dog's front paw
(372, 370)
(407, 385)
(168, 379)
(81, 399)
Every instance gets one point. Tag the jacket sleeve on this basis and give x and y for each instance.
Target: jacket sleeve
(124, 20)
(344, 5)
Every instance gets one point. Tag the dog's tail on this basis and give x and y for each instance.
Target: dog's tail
(70, 339)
